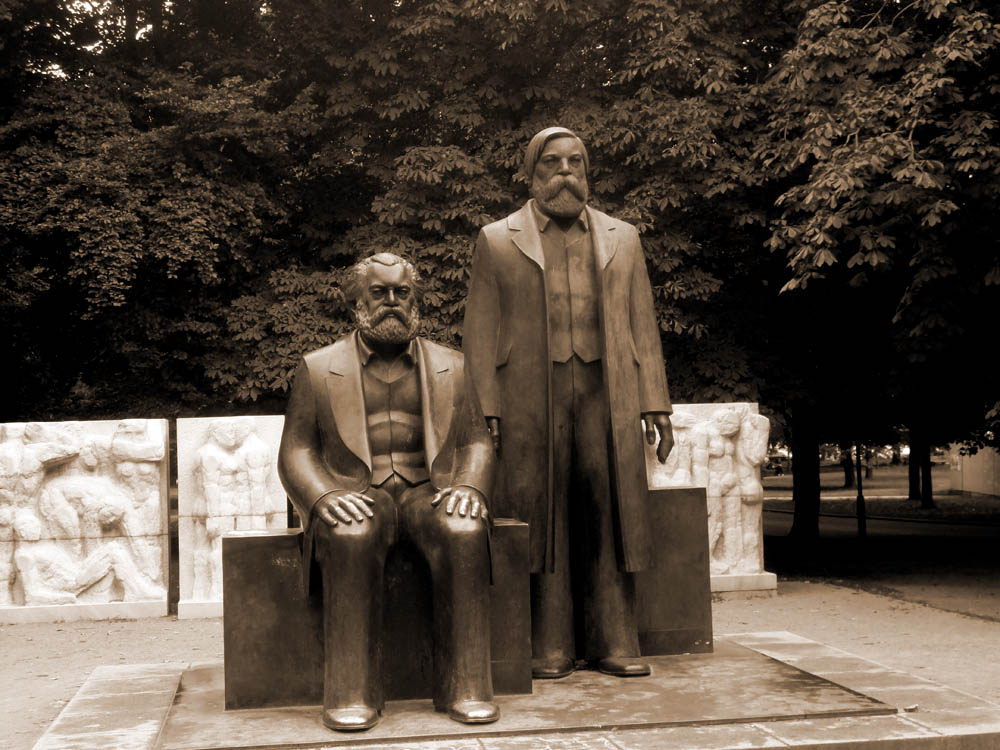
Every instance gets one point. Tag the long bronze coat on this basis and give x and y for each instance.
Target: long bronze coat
(506, 346)
(324, 444)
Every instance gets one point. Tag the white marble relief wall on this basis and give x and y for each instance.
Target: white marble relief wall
(721, 447)
(83, 520)
(227, 480)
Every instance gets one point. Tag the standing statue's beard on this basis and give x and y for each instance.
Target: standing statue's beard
(387, 326)
(563, 195)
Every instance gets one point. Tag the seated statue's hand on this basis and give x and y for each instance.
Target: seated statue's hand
(343, 507)
(466, 501)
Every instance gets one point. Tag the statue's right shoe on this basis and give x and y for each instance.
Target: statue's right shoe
(552, 668)
(350, 718)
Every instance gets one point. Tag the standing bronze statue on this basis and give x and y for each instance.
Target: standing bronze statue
(562, 342)
(384, 441)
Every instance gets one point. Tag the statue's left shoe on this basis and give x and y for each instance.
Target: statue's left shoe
(474, 712)
(623, 666)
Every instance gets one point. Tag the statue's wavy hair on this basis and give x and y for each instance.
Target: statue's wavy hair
(354, 285)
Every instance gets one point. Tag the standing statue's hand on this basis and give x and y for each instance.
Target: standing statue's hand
(344, 507)
(493, 425)
(465, 500)
(661, 421)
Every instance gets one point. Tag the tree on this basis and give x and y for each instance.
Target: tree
(882, 134)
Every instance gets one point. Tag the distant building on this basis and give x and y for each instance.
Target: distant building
(978, 474)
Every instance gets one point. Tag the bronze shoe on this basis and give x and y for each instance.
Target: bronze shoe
(350, 718)
(474, 712)
(552, 668)
(623, 666)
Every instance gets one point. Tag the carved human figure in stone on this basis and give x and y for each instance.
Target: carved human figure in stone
(679, 465)
(384, 443)
(724, 537)
(27, 452)
(222, 477)
(137, 449)
(50, 573)
(137, 455)
(563, 344)
(256, 456)
(751, 449)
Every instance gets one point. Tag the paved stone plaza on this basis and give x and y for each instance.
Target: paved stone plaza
(758, 690)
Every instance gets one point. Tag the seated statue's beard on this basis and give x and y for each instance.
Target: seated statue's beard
(563, 196)
(385, 327)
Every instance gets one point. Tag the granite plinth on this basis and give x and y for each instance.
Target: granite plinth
(673, 599)
(736, 585)
(75, 612)
(198, 610)
(273, 633)
(757, 690)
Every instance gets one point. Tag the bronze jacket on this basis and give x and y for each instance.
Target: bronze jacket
(505, 339)
(324, 445)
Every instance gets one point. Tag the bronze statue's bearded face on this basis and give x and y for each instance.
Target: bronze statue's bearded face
(386, 308)
(559, 182)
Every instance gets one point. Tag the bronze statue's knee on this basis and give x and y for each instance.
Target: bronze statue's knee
(464, 530)
(355, 535)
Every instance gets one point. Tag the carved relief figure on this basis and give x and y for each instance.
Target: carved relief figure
(73, 531)
(721, 448)
(223, 480)
(677, 469)
(232, 470)
(723, 490)
(26, 454)
(255, 455)
(563, 345)
(54, 572)
(384, 442)
(751, 450)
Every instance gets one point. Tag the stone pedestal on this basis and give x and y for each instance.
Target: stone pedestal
(274, 633)
(673, 600)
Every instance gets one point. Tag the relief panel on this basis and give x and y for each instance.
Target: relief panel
(227, 480)
(720, 447)
(83, 519)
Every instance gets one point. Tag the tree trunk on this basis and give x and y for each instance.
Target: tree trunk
(862, 512)
(131, 10)
(156, 19)
(913, 466)
(805, 475)
(847, 465)
(926, 484)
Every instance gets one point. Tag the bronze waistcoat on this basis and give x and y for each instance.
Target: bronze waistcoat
(395, 425)
(571, 280)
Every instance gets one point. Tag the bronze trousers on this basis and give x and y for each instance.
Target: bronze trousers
(352, 561)
(585, 608)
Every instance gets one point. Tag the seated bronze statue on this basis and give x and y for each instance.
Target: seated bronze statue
(384, 442)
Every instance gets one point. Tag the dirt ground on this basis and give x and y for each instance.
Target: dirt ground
(43, 665)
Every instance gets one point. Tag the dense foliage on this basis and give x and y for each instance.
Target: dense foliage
(185, 184)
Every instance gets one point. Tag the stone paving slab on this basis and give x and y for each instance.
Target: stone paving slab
(750, 693)
(117, 708)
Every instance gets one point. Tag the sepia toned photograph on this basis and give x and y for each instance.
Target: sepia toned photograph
(500, 374)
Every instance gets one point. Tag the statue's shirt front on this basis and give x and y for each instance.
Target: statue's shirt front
(395, 422)
(571, 282)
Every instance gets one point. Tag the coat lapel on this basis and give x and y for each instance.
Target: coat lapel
(436, 399)
(347, 398)
(603, 235)
(524, 234)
